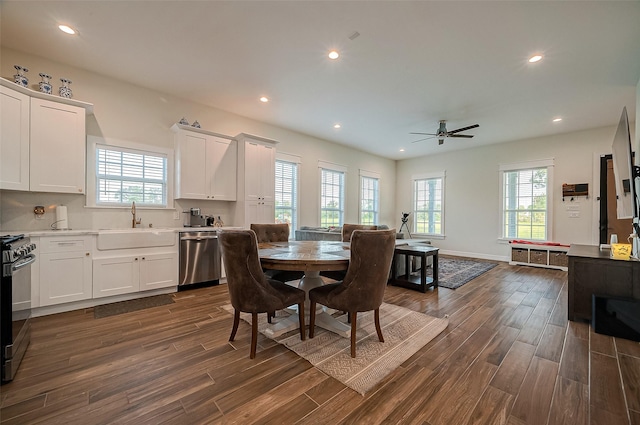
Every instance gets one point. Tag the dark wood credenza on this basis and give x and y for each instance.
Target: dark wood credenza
(592, 271)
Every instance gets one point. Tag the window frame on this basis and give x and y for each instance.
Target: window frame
(296, 160)
(438, 175)
(338, 169)
(524, 166)
(94, 143)
(370, 175)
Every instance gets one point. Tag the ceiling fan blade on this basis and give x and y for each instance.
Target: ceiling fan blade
(426, 134)
(421, 140)
(464, 129)
(468, 136)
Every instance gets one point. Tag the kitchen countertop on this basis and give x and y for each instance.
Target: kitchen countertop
(82, 232)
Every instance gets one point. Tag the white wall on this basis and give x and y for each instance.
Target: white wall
(127, 112)
(472, 192)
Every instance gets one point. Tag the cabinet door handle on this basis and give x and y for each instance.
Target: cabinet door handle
(65, 243)
(135, 259)
(143, 258)
(87, 254)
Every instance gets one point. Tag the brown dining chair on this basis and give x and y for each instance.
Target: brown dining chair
(275, 232)
(347, 231)
(249, 289)
(364, 284)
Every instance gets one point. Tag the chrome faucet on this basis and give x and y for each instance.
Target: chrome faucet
(133, 213)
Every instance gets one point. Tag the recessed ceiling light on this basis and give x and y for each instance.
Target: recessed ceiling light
(535, 58)
(264, 99)
(337, 126)
(401, 149)
(67, 29)
(333, 55)
(557, 119)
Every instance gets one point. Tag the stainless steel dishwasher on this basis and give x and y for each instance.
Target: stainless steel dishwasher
(199, 260)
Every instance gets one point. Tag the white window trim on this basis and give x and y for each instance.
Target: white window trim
(371, 175)
(331, 166)
(432, 175)
(549, 164)
(93, 141)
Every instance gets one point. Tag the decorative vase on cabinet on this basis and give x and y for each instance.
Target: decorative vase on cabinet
(65, 90)
(45, 85)
(20, 78)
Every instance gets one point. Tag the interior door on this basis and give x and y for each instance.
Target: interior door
(620, 227)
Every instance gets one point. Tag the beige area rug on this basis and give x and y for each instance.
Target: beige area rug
(404, 331)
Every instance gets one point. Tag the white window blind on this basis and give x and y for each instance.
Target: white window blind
(124, 176)
(287, 194)
(525, 207)
(428, 206)
(331, 198)
(369, 200)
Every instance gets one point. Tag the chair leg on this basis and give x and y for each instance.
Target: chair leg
(348, 317)
(376, 317)
(270, 315)
(312, 318)
(254, 335)
(301, 318)
(354, 319)
(236, 321)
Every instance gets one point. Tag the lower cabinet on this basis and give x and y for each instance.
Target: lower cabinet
(134, 273)
(64, 270)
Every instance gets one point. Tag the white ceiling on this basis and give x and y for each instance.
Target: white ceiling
(413, 64)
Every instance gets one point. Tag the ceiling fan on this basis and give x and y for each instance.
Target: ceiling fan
(444, 133)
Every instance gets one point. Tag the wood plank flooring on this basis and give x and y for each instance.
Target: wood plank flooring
(509, 356)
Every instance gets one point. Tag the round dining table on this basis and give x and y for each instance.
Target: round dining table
(310, 257)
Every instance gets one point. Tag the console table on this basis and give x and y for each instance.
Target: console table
(592, 271)
(407, 280)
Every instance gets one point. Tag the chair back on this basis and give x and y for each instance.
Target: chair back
(366, 280)
(271, 232)
(248, 287)
(347, 230)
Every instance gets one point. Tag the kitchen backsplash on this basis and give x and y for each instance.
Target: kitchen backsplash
(16, 212)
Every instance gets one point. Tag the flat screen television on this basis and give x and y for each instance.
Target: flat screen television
(627, 178)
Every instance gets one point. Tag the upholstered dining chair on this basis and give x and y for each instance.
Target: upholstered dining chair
(364, 284)
(347, 231)
(249, 289)
(275, 232)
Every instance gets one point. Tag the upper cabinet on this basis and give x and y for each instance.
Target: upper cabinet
(205, 164)
(43, 141)
(14, 140)
(58, 143)
(256, 180)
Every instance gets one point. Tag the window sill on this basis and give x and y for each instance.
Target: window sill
(429, 236)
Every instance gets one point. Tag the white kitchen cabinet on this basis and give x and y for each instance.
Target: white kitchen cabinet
(136, 272)
(64, 269)
(260, 212)
(260, 163)
(158, 271)
(43, 141)
(256, 180)
(206, 164)
(14, 139)
(58, 143)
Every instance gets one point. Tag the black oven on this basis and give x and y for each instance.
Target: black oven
(15, 302)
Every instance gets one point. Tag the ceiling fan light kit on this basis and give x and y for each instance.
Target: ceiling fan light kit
(443, 133)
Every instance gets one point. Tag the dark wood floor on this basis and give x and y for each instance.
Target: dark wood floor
(509, 356)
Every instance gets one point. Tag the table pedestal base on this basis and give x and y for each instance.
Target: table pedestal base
(324, 319)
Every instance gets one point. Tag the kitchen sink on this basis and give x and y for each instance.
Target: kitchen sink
(135, 238)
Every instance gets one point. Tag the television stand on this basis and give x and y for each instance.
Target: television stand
(593, 271)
